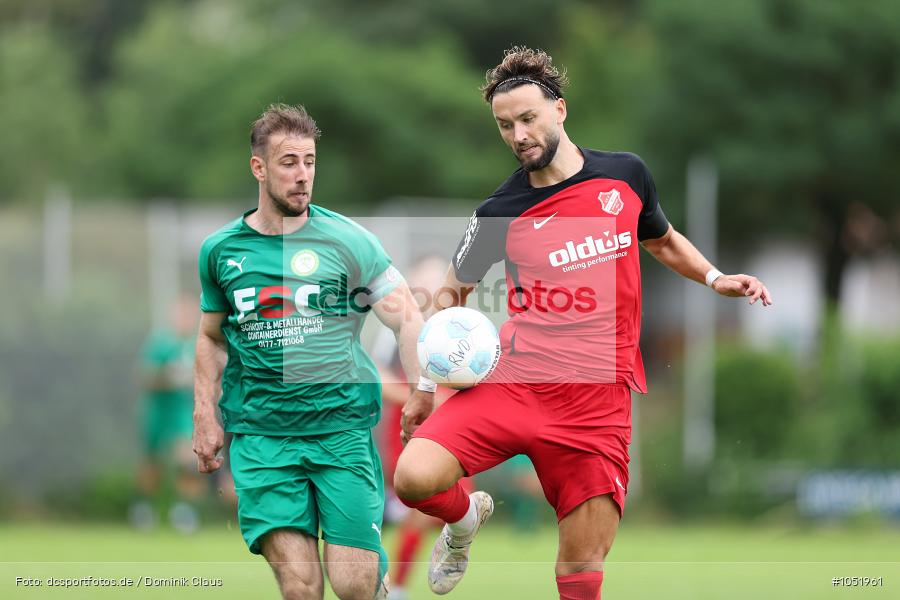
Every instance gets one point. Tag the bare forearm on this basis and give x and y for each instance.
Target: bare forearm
(400, 313)
(448, 298)
(453, 293)
(407, 337)
(209, 365)
(680, 255)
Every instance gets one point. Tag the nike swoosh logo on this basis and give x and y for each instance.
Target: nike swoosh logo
(539, 224)
(619, 483)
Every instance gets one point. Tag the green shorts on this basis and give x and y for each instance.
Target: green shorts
(331, 483)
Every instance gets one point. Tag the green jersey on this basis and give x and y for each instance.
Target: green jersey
(294, 307)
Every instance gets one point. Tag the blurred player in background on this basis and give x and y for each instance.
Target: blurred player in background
(167, 471)
(565, 221)
(425, 277)
(286, 288)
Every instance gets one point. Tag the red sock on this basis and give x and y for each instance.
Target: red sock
(449, 506)
(580, 586)
(407, 545)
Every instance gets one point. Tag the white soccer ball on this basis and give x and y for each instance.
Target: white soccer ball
(458, 347)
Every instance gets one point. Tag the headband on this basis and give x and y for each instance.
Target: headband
(524, 80)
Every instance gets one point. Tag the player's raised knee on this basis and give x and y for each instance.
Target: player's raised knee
(417, 477)
(424, 469)
(412, 480)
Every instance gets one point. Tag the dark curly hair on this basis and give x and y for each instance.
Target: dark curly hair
(521, 66)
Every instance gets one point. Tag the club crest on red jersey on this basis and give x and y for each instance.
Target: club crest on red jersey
(611, 202)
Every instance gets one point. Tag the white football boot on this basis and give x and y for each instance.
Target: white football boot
(450, 555)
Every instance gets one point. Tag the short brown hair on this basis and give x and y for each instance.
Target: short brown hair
(521, 66)
(281, 118)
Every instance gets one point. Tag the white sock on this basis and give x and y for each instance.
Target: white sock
(466, 525)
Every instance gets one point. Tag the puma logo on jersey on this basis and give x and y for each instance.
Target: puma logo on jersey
(539, 224)
(375, 527)
(240, 265)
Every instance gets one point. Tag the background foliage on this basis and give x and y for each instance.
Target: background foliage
(797, 101)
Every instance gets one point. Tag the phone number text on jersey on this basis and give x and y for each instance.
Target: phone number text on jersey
(287, 336)
(280, 342)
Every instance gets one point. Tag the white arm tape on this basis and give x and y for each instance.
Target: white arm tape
(426, 385)
(712, 275)
(382, 285)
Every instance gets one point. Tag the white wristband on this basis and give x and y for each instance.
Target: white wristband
(426, 385)
(712, 275)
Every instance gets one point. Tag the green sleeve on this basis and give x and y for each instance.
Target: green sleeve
(212, 299)
(370, 256)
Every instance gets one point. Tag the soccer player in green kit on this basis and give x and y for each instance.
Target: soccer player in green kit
(165, 423)
(285, 290)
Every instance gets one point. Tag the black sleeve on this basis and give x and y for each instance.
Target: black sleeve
(483, 244)
(652, 222)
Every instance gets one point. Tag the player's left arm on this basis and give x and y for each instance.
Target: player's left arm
(679, 254)
(453, 293)
(399, 312)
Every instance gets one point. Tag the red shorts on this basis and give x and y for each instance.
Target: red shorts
(576, 434)
(392, 446)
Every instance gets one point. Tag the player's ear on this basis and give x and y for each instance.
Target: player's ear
(258, 168)
(561, 111)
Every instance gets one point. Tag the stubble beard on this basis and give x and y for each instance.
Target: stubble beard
(283, 206)
(546, 157)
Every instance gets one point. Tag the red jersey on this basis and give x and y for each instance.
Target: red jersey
(572, 269)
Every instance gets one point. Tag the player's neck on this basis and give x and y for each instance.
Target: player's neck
(268, 220)
(567, 162)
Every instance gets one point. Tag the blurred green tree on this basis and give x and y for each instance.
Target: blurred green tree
(752, 386)
(799, 104)
(89, 28)
(610, 58)
(481, 30)
(397, 120)
(47, 136)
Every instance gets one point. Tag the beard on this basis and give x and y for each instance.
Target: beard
(551, 145)
(284, 206)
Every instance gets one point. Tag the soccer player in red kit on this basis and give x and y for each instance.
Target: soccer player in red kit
(566, 225)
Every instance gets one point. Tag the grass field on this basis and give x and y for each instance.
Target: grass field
(658, 562)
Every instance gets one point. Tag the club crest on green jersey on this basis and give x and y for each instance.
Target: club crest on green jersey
(304, 263)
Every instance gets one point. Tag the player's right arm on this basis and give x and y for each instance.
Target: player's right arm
(481, 246)
(209, 365)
